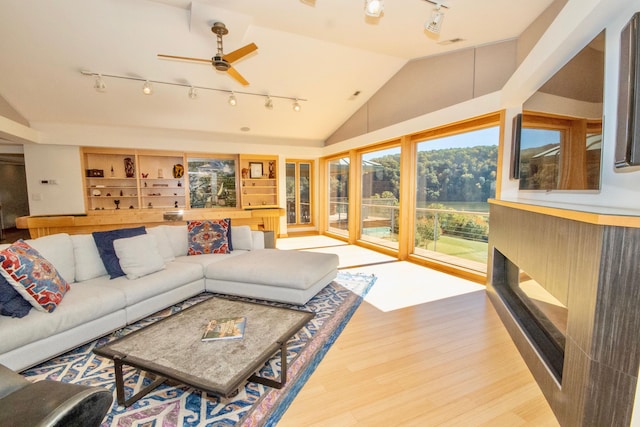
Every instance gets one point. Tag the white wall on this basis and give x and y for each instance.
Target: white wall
(59, 163)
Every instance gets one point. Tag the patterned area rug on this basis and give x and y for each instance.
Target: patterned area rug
(174, 404)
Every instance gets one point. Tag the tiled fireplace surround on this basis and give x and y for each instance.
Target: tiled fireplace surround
(591, 263)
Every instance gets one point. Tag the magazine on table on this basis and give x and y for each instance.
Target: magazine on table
(225, 328)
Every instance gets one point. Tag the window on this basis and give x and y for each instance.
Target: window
(338, 220)
(379, 209)
(455, 175)
(299, 207)
(212, 182)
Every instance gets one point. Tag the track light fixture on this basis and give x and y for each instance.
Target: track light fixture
(99, 85)
(268, 103)
(435, 22)
(232, 100)
(373, 8)
(147, 88)
(296, 106)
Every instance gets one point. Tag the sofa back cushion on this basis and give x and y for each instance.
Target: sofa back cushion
(163, 242)
(88, 262)
(241, 237)
(178, 238)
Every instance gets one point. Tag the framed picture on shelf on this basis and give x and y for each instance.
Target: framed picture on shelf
(255, 170)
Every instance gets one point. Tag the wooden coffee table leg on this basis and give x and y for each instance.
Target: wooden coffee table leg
(269, 382)
(122, 400)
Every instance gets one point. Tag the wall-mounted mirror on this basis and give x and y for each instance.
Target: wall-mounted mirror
(560, 137)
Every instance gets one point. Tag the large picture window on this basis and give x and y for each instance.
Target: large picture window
(379, 209)
(455, 176)
(338, 219)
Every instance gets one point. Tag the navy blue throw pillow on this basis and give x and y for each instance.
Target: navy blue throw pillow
(229, 235)
(11, 302)
(7, 292)
(104, 242)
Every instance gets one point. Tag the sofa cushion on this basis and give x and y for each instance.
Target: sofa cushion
(208, 236)
(34, 277)
(88, 261)
(11, 302)
(81, 305)
(274, 267)
(173, 276)
(104, 242)
(138, 255)
(258, 240)
(178, 238)
(241, 238)
(164, 246)
(58, 250)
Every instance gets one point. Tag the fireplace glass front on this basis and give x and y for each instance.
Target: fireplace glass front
(542, 316)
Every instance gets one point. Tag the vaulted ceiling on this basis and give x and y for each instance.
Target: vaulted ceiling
(322, 51)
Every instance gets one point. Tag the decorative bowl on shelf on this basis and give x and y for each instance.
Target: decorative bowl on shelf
(96, 193)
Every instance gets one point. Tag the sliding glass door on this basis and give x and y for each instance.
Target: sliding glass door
(379, 207)
(299, 204)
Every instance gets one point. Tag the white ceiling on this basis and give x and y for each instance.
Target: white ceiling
(322, 51)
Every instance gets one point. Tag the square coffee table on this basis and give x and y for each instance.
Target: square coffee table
(172, 348)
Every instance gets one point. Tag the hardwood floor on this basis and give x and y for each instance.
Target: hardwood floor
(446, 362)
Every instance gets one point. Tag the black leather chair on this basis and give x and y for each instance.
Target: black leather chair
(50, 403)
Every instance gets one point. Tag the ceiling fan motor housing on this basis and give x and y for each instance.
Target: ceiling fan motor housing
(220, 64)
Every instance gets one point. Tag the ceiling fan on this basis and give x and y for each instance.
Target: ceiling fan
(222, 61)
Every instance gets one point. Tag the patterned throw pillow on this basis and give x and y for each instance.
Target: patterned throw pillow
(35, 278)
(208, 236)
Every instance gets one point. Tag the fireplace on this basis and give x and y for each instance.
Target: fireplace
(565, 285)
(541, 316)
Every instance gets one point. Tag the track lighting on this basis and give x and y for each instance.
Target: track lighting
(99, 84)
(373, 8)
(232, 100)
(433, 25)
(296, 106)
(146, 88)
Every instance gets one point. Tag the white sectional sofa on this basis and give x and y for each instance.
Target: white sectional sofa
(96, 305)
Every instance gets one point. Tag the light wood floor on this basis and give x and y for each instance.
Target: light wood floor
(445, 362)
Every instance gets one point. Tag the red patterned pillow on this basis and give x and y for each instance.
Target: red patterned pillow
(208, 236)
(35, 278)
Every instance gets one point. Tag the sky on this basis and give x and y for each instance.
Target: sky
(489, 136)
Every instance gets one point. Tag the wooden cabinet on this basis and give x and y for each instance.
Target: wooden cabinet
(259, 182)
(143, 179)
(118, 179)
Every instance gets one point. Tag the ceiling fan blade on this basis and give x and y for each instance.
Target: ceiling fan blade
(185, 58)
(239, 53)
(234, 73)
